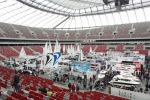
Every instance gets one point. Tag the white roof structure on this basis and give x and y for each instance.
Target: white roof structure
(73, 14)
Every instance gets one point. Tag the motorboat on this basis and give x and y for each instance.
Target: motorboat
(102, 74)
(125, 79)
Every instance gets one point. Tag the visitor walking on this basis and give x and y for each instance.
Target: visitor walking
(69, 86)
(16, 82)
(77, 88)
(84, 84)
(73, 87)
(90, 86)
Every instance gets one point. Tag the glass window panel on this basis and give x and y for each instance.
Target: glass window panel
(100, 8)
(94, 9)
(37, 18)
(30, 17)
(78, 22)
(56, 21)
(117, 18)
(140, 15)
(104, 20)
(72, 11)
(50, 4)
(47, 21)
(110, 19)
(91, 21)
(132, 16)
(97, 20)
(147, 13)
(55, 6)
(24, 16)
(67, 23)
(136, 1)
(124, 17)
(60, 7)
(88, 10)
(64, 9)
(45, 2)
(39, 1)
(62, 25)
(85, 21)
(82, 11)
(72, 25)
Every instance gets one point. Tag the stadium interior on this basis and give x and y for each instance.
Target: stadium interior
(119, 26)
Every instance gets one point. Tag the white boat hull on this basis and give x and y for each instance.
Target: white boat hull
(122, 83)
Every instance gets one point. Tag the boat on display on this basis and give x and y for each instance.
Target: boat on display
(102, 74)
(125, 79)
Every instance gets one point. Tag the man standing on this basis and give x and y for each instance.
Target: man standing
(16, 82)
(69, 86)
(73, 87)
(84, 83)
(77, 88)
(90, 86)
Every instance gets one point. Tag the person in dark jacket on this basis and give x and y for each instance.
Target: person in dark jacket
(69, 86)
(43, 90)
(77, 88)
(90, 87)
(84, 84)
(16, 82)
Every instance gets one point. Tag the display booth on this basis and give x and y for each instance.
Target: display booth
(80, 66)
(128, 94)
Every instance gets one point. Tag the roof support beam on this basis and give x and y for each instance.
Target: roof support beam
(61, 22)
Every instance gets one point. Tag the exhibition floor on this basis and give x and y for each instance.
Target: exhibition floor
(65, 84)
(75, 74)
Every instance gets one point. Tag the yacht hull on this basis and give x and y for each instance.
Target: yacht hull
(127, 84)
